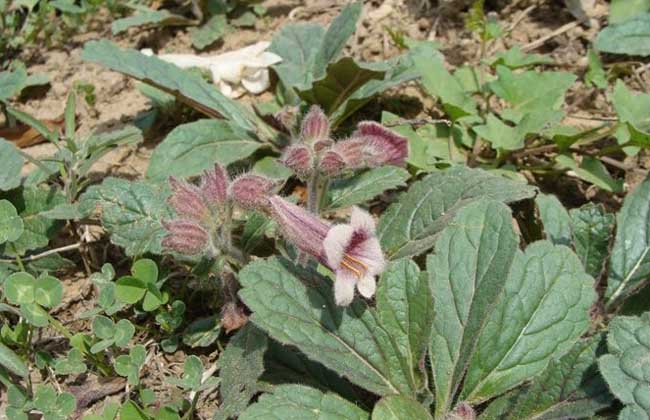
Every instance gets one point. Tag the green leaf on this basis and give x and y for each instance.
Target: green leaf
(570, 387)
(150, 18)
(12, 83)
(396, 407)
(153, 299)
(11, 225)
(625, 368)
(20, 288)
(34, 314)
(411, 225)
(191, 148)
(592, 229)
(240, 365)
(531, 91)
(37, 230)
(48, 291)
(544, 310)
(630, 37)
(632, 110)
(35, 123)
(596, 75)
(341, 28)
(298, 402)
(210, 32)
(188, 88)
(72, 364)
(131, 411)
(555, 218)
(130, 290)
(124, 331)
(365, 186)
(439, 83)
(471, 261)
(145, 270)
(202, 332)
(11, 361)
(12, 164)
(351, 341)
(103, 327)
(629, 264)
(622, 10)
(132, 212)
(591, 170)
(515, 58)
(504, 136)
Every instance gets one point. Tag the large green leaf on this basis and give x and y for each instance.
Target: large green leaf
(440, 83)
(410, 226)
(626, 367)
(556, 220)
(631, 37)
(131, 212)
(570, 387)
(629, 264)
(298, 402)
(37, 229)
(397, 407)
(188, 88)
(467, 273)
(149, 17)
(544, 310)
(365, 186)
(531, 91)
(297, 308)
(592, 230)
(632, 110)
(191, 148)
(241, 364)
(12, 164)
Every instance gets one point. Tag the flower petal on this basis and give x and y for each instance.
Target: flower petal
(361, 219)
(344, 287)
(369, 251)
(336, 242)
(367, 286)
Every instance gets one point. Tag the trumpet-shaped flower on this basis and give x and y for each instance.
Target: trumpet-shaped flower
(351, 250)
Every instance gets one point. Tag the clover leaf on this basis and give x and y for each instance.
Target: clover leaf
(33, 295)
(141, 285)
(129, 365)
(73, 364)
(111, 333)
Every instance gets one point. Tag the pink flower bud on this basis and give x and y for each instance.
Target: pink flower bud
(214, 185)
(187, 200)
(332, 163)
(233, 317)
(185, 237)
(298, 158)
(251, 191)
(315, 125)
(463, 411)
(322, 144)
(391, 146)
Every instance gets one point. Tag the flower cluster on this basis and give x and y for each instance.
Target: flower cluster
(202, 210)
(371, 145)
(350, 250)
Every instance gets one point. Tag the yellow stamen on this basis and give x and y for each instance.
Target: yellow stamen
(356, 272)
(355, 265)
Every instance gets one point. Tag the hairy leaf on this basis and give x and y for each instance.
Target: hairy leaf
(298, 402)
(625, 368)
(556, 220)
(467, 272)
(365, 186)
(397, 407)
(298, 308)
(570, 387)
(191, 148)
(592, 229)
(631, 37)
(241, 364)
(131, 212)
(544, 310)
(411, 225)
(12, 164)
(630, 261)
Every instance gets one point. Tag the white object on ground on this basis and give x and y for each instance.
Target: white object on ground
(234, 72)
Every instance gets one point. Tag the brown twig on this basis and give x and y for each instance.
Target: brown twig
(559, 31)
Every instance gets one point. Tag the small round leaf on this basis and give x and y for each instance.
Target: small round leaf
(124, 331)
(11, 225)
(103, 327)
(48, 291)
(34, 314)
(19, 288)
(130, 289)
(145, 270)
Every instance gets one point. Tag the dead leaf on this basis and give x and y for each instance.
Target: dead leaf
(24, 136)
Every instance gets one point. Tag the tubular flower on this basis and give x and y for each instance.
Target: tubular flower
(315, 126)
(299, 158)
(200, 210)
(351, 250)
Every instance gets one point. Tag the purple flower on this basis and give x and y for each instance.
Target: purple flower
(299, 158)
(351, 250)
(187, 200)
(251, 191)
(214, 185)
(185, 236)
(315, 126)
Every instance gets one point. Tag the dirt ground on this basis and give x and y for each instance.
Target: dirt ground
(119, 102)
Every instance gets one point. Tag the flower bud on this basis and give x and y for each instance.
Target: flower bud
(187, 200)
(463, 411)
(232, 317)
(315, 126)
(298, 158)
(214, 185)
(251, 191)
(185, 237)
(392, 147)
(332, 163)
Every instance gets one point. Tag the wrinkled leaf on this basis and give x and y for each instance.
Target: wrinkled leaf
(396, 407)
(364, 187)
(591, 170)
(555, 218)
(592, 229)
